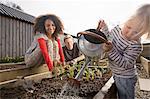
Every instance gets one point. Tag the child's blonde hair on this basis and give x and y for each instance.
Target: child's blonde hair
(143, 15)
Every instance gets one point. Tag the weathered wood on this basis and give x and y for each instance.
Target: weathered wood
(14, 38)
(20, 38)
(26, 36)
(108, 88)
(21, 70)
(17, 82)
(8, 64)
(146, 64)
(0, 36)
(7, 37)
(17, 38)
(31, 33)
(23, 34)
(11, 38)
(12, 77)
(3, 36)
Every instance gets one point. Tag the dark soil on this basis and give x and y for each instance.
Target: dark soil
(50, 88)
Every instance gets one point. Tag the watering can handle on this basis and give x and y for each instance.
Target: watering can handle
(93, 35)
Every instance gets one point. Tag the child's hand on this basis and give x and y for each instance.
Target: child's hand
(101, 25)
(107, 46)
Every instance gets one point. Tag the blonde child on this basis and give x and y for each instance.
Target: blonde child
(46, 47)
(125, 48)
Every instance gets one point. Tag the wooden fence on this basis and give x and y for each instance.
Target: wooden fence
(15, 37)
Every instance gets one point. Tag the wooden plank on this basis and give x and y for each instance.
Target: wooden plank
(11, 78)
(3, 36)
(0, 36)
(14, 38)
(20, 39)
(21, 71)
(30, 34)
(7, 37)
(23, 37)
(11, 38)
(26, 37)
(17, 82)
(8, 64)
(146, 64)
(17, 38)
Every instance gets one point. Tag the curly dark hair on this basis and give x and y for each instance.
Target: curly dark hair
(40, 27)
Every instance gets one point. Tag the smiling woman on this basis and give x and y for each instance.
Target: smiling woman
(46, 47)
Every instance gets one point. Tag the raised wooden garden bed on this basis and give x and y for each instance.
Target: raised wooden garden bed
(146, 64)
(12, 72)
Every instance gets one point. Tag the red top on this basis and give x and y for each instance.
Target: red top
(62, 58)
(44, 50)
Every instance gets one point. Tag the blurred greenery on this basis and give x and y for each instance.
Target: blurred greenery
(90, 73)
(12, 59)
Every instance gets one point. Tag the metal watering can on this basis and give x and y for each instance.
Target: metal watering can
(90, 43)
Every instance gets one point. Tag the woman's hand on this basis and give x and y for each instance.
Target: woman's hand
(63, 64)
(59, 63)
(107, 46)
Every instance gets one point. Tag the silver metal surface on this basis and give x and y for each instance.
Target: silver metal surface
(89, 49)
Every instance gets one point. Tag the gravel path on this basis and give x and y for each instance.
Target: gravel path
(140, 94)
